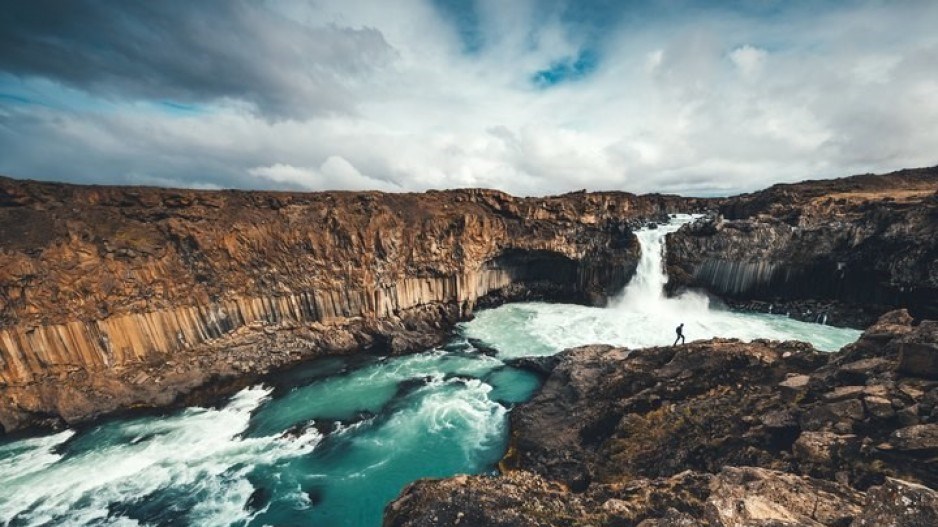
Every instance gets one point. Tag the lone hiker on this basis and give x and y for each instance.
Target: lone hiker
(680, 334)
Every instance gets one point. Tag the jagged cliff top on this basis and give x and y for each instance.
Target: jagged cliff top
(838, 196)
(84, 252)
(72, 252)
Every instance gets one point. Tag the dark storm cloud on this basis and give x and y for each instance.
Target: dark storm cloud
(193, 52)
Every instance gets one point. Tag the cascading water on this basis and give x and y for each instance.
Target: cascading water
(645, 292)
(641, 316)
(332, 441)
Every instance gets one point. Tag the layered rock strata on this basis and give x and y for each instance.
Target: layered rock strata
(115, 297)
(715, 433)
(844, 250)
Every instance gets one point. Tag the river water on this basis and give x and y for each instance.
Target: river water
(331, 442)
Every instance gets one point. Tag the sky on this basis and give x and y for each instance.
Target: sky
(533, 97)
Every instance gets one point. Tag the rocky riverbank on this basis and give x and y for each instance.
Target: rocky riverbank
(715, 433)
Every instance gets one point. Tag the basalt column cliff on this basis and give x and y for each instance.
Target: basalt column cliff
(842, 251)
(118, 297)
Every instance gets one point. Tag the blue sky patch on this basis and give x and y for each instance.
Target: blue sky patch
(567, 70)
(178, 108)
(465, 18)
(10, 98)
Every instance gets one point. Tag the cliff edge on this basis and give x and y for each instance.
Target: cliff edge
(118, 297)
(843, 251)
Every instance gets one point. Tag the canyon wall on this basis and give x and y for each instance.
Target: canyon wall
(867, 242)
(117, 297)
(113, 297)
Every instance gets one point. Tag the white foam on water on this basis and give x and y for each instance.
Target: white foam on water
(22, 458)
(442, 408)
(200, 450)
(641, 316)
(470, 411)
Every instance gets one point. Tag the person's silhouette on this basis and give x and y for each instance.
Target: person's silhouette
(680, 334)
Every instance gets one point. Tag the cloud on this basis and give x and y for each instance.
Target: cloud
(192, 52)
(335, 173)
(672, 95)
(749, 59)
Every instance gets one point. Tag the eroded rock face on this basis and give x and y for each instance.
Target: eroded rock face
(111, 297)
(842, 250)
(715, 433)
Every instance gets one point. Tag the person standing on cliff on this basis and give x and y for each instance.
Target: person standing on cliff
(680, 334)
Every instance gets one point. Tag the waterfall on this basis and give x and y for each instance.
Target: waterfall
(646, 289)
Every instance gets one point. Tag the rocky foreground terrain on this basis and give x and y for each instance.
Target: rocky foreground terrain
(715, 433)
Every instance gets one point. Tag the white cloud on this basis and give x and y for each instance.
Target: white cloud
(708, 103)
(749, 59)
(335, 173)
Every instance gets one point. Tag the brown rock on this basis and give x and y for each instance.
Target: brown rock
(779, 419)
(825, 448)
(867, 367)
(890, 325)
(879, 407)
(751, 496)
(899, 503)
(826, 415)
(916, 437)
(795, 383)
(919, 359)
(844, 392)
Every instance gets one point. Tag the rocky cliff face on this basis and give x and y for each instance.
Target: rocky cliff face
(850, 248)
(715, 433)
(115, 297)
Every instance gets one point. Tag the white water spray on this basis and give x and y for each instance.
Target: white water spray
(640, 316)
(645, 292)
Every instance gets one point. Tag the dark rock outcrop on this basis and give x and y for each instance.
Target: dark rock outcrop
(713, 433)
(844, 250)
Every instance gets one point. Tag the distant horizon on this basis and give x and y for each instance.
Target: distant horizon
(531, 97)
(454, 189)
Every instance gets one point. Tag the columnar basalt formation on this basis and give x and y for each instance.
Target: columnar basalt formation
(112, 297)
(715, 433)
(851, 248)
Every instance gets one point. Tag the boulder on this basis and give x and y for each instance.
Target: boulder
(825, 447)
(827, 415)
(899, 503)
(915, 438)
(918, 351)
(879, 407)
(919, 359)
(890, 325)
(748, 496)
